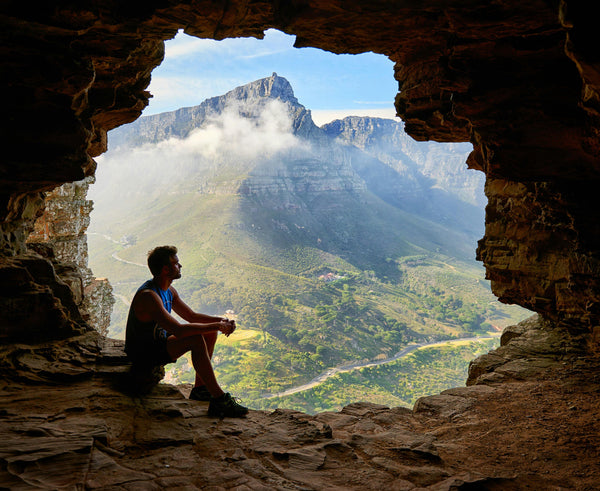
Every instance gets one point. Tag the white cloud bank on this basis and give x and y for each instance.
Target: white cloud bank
(226, 141)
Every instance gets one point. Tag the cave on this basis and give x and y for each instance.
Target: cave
(519, 80)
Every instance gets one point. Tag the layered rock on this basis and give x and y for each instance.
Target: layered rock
(79, 428)
(517, 80)
(283, 160)
(539, 249)
(97, 304)
(35, 303)
(527, 351)
(387, 141)
(304, 161)
(59, 235)
(248, 100)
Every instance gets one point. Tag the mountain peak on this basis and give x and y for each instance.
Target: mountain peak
(274, 87)
(180, 122)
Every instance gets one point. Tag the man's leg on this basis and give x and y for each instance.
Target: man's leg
(210, 338)
(200, 359)
(221, 404)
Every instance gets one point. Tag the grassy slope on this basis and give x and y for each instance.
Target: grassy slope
(237, 256)
(427, 371)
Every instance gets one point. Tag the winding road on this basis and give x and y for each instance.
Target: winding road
(114, 255)
(319, 379)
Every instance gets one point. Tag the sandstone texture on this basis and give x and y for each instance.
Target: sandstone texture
(59, 235)
(74, 424)
(519, 80)
(36, 304)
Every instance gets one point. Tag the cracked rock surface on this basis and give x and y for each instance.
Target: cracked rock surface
(535, 429)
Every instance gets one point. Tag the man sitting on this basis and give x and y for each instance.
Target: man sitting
(155, 337)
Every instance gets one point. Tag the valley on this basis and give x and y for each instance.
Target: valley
(330, 246)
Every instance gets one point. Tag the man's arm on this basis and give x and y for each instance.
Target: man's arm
(148, 306)
(185, 312)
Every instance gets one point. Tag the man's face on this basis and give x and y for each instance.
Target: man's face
(174, 268)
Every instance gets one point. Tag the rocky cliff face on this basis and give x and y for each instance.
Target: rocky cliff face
(542, 257)
(248, 101)
(59, 235)
(439, 166)
(349, 157)
(464, 74)
(516, 79)
(306, 160)
(426, 179)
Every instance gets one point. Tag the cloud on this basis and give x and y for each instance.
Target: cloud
(264, 53)
(184, 46)
(231, 135)
(226, 144)
(372, 103)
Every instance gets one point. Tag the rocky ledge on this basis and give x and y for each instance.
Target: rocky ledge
(530, 420)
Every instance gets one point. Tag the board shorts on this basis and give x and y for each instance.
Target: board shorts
(151, 352)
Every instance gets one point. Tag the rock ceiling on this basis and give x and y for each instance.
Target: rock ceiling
(520, 80)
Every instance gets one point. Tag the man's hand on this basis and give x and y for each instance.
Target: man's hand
(227, 326)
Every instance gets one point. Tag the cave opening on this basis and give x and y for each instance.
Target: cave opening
(128, 220)
(517, 79)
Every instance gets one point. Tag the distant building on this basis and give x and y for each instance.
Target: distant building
(327, 277)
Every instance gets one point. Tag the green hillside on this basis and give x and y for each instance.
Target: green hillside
(427, 371)
(384, 291)
(324, 253)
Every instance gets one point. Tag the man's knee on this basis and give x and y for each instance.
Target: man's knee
(179, 346)
(210, 337)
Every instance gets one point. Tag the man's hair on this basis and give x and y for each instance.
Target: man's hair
(159, 257)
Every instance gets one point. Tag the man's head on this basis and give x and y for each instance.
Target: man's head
(164, 256)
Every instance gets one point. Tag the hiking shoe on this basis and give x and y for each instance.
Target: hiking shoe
(226, 407)
(200, 394)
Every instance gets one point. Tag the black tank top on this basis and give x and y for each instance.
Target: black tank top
(138, 334)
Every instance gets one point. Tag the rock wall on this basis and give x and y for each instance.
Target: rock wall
(539, 248)
(520, 80)
(59, 235)
(517, 79)
(63, 223)
(35, 303)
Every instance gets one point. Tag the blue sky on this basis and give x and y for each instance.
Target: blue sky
(329, 85)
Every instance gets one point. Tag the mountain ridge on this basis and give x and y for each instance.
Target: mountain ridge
(325, 251)
(180, 122)
(295, 183)
(341, 148)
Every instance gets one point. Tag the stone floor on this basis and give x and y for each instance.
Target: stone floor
(72, 426)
